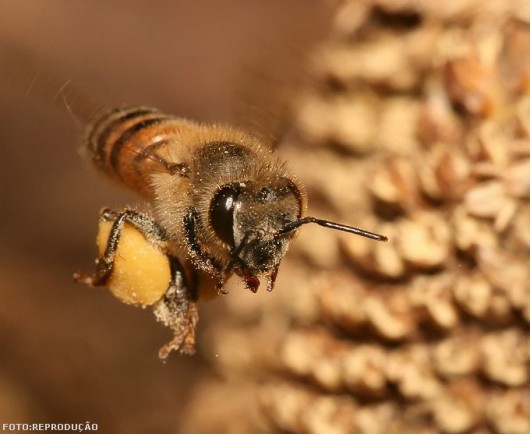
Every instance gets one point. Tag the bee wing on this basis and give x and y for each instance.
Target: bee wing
(23, 68)
(266, 96)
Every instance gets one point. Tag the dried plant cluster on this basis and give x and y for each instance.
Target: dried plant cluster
(418, 128)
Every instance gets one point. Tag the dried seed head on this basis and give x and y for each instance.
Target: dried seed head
(419, 129)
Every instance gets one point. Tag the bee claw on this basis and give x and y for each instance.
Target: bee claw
(80, 277)
(106, 214)
(221, 290)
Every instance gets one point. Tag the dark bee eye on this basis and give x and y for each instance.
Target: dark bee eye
(222, 213)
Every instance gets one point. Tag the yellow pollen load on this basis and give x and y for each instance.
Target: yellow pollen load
(141, 272)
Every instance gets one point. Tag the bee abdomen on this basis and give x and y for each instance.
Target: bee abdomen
(130, 143)
(108, 135)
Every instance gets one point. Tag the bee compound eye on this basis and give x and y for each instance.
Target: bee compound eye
(222, 213)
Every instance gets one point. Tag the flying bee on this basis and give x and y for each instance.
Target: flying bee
(223, 204)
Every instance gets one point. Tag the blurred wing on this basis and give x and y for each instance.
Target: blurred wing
(22, 68)
(278, 73)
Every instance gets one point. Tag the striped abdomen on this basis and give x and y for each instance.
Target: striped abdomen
(129, 144)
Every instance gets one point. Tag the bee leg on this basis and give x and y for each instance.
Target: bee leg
(178, 311)
(105, 264)
(204, 261)
(150, 152)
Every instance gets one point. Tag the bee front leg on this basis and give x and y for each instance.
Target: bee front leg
(204, 261)
(178, 311)
(105, 264)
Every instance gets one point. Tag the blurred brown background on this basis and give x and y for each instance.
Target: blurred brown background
(417, 126)
(69, 353)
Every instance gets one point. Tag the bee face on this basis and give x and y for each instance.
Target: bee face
(248, 218)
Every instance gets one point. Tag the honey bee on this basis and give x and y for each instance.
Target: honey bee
(223, 204)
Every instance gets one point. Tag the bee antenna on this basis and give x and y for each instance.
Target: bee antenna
(331, 225)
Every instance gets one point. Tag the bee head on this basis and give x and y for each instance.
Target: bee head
(248, 218)
(257, 224)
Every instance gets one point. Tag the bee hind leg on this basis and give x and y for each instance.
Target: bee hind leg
(178, 311)
(105, 264)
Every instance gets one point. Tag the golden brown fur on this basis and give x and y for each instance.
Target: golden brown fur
(181, 165)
